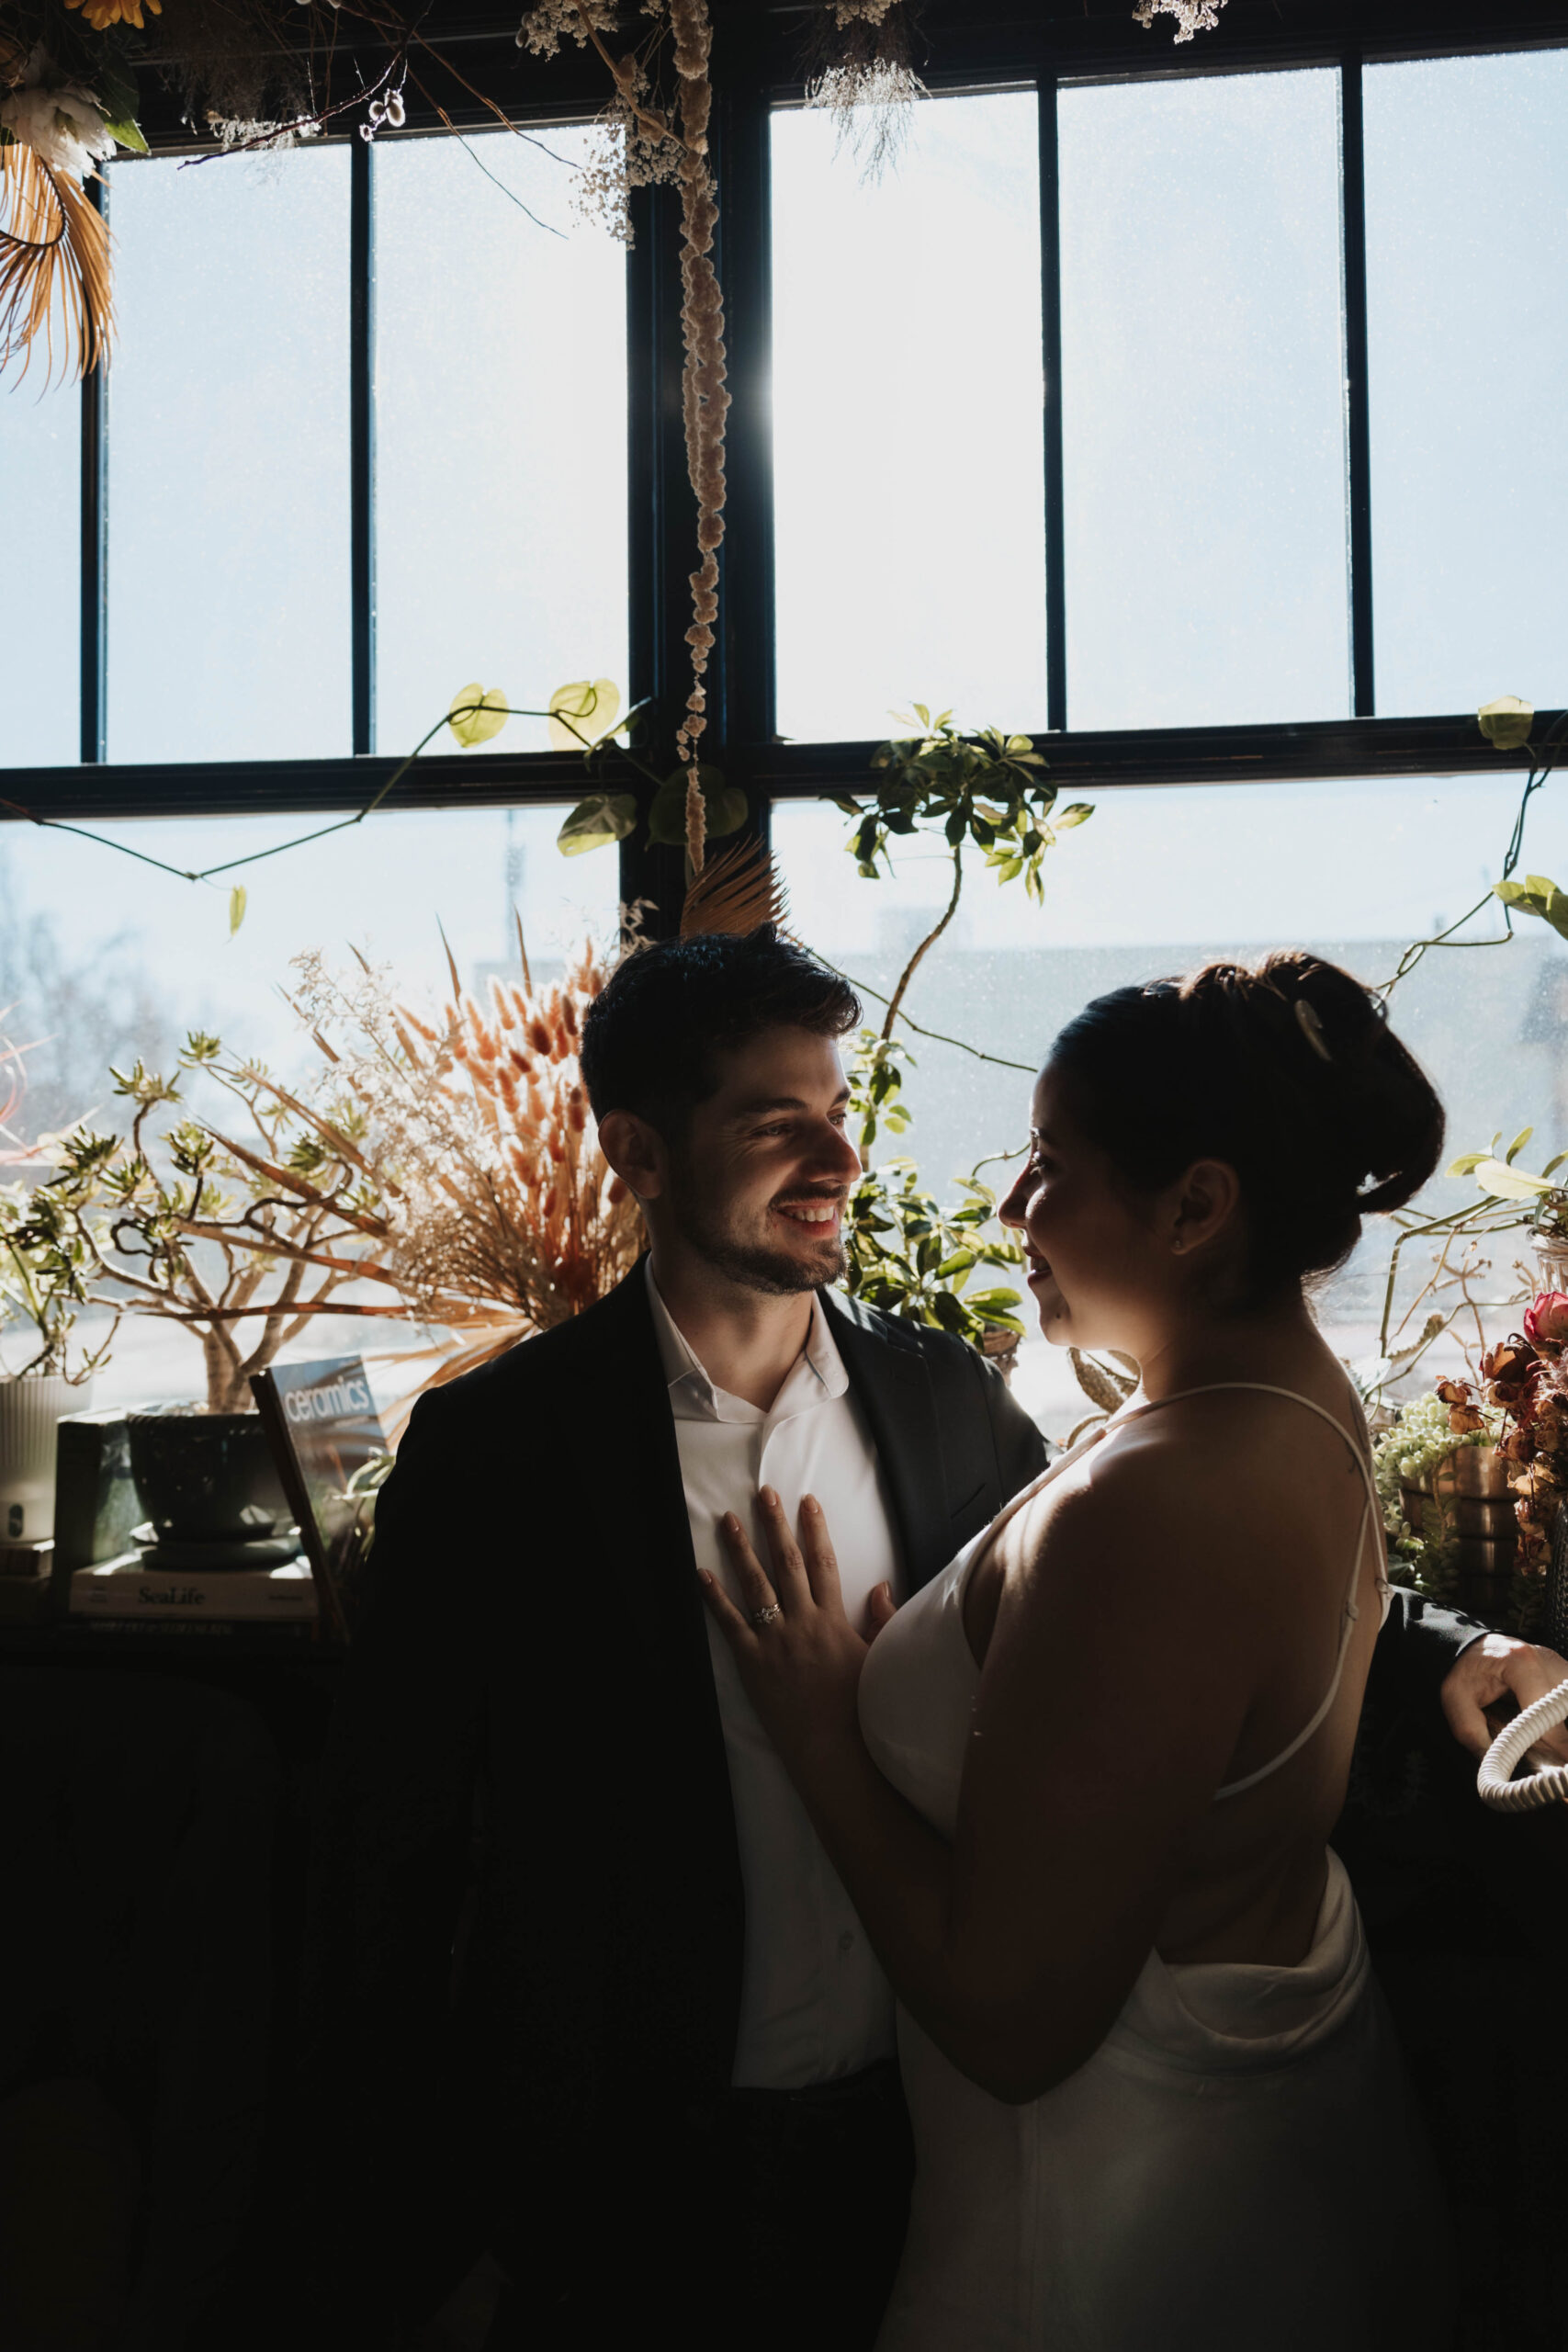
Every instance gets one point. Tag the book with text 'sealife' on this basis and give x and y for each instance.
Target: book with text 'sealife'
(326, 1442)
(129, 1588)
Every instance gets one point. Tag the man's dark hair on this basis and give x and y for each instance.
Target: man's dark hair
(652, 1036)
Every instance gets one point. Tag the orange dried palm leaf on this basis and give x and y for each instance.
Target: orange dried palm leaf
(54, 256)
(739, 891)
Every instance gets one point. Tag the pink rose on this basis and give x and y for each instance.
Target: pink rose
(1546, 1320)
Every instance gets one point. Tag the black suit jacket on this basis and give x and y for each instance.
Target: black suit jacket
(529, 1710)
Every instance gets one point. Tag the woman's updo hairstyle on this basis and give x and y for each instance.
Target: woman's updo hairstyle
(1287, 1071)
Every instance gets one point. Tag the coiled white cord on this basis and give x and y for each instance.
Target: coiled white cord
(1495, 1781)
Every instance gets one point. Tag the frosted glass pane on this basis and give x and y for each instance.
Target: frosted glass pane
(907, 445)
(1467, 261)
(1158, 881)
(230, 625)
(501, 390)
(40, 549)
(1202, 401)
(104, 959)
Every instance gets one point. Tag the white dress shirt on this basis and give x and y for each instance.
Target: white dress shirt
(814, 2003)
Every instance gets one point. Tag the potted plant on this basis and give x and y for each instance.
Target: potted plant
(216, 1235)
(1443, 1481)
(41, 1374)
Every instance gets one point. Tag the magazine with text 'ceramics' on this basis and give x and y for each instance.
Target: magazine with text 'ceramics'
(331, 1453)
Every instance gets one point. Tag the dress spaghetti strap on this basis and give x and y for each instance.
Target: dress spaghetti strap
(1371, 1514)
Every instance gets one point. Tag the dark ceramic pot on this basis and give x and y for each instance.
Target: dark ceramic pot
(205, 1478)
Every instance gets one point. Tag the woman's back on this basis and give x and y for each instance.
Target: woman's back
(1279, 1502)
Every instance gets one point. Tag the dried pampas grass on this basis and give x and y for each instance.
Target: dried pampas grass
(500, 1215)
(54, 257)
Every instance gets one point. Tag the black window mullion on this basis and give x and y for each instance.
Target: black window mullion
(662, 531)
(361, 438)
(747, 711)
(95, 539)
(1051, 366)
(1358, 424)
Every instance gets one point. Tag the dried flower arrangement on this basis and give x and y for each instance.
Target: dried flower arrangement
(1526, 1380)
(497, 1213)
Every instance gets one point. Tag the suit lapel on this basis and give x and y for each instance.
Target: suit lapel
(892, 1381)
(630, 1475)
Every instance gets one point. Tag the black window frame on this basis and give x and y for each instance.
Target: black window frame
(969, 45)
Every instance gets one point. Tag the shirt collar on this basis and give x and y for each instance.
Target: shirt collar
(816, 1376)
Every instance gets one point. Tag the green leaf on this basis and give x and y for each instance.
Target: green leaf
(236, 908)
(1078, 813)
(1518, 1144)
(602, 817)
(1466, 1164)
(726, 807)
(126, 133)
(1506, 723)
(1495, 1177)
(476, 714)
(584, 713)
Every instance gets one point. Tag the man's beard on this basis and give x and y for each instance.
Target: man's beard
(751, 1264)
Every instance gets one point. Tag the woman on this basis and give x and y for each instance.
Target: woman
(1081, 1791)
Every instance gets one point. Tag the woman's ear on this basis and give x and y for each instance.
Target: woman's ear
(636, 1151)
(1206, 1204)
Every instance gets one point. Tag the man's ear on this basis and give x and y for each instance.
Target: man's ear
(636, 1151)
(1207, 1202)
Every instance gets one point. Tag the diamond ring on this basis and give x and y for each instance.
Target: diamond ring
(765, 1616)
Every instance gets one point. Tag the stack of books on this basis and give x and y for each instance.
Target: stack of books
(291, 1589)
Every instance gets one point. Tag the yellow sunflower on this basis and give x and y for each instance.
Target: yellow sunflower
(102, 13)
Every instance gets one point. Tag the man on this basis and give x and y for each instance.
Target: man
(659, 2081)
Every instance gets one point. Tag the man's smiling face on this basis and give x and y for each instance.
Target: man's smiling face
(758, 1183)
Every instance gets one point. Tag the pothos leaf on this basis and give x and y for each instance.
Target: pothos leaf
(591, 704)
(602, 817)
(477, 713)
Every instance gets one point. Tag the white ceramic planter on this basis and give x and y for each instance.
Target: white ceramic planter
(30, 1412)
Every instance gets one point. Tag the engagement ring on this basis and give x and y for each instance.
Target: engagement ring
(765, 1616)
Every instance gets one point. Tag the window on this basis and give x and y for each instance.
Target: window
(39, 573)
(1157, 882)
(228, 437)
(103, 960)
(1202, 397)
(500, 438)
(1467, 246)
(907, 422)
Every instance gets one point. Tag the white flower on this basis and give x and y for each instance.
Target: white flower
(65, 127)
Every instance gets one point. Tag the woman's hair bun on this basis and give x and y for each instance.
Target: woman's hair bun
(1285, 1069)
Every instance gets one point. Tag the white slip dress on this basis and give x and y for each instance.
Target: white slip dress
(1237, 2167)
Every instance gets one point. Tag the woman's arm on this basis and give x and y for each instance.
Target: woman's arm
(1114, 1690)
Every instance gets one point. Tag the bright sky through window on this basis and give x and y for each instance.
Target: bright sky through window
(908, 444)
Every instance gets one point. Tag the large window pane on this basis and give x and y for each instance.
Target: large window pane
(229, 474)
(1202, 401)
(39, 546)
(501, 387)
(907, 422)
(104, 959)
(1467, 258)
(1156, 883)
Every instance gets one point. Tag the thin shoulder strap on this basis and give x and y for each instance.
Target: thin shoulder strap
(1370, 1514)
